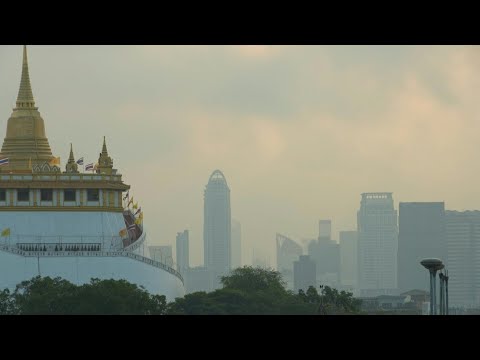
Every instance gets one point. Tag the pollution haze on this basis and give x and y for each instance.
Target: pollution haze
(299, 131)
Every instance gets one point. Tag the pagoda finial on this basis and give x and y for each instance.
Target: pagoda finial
(105, 162)
(71, 159)
(25, 98)
(71, 166)
(104, 148)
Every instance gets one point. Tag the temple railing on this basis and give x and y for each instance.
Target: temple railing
(25, 253)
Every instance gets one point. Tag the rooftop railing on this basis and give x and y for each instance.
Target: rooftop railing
(14, 249)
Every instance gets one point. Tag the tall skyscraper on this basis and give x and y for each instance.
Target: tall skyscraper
(304, 274)
(217, 227)
(377, 245)
(325, 230)
(462, 230)
(288, 251)
(348, 258)
(183, 254)
(236, 244)
(325, 252)
(421, 235)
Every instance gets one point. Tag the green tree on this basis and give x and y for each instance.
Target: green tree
(100, 297)
(7, 303)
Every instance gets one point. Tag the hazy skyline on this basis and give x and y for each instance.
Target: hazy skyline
(299, 131)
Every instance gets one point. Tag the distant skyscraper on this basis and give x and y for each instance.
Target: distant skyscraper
(162, 254)
(348, 258)
(183, 254)
(288, 251)
(198, 279)
(326, 254)
(421, 235)
(236, 244)
(325, 230)
(217, 227)
(377, 245)
(462, 230)
(304, 274)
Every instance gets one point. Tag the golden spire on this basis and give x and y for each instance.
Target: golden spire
(71, 166)
(25, 95)
(105, 162)
(26, 141)
(104, 148)
(71, 159)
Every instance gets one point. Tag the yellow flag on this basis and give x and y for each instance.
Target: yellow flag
(138, 221)
(123, 233)
(135, 206)
(6, 232)
(140, 216)
(54, 161)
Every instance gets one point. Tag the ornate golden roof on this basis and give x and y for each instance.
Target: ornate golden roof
(26, 143)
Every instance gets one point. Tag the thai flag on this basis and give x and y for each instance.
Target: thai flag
(132, 227)
(89, 167)
(4, 162)
(80, 161)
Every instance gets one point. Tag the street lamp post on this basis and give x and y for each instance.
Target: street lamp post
(446, 292)
(432, 265)
(441, 277)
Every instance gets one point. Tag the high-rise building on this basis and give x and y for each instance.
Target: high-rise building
(325, 229)
(288, 251)
(183, 254)
(325, 252)
(217, 227)
(462, 230)
(162, 253)
(236, 244)
(198, 279)
(421, 235)
(377, 245)
(304, 274)
(348, 258)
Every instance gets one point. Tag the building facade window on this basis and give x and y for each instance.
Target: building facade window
(3, 195)
(23, 195)
(46, 195)
(93, 195)
(69, 195)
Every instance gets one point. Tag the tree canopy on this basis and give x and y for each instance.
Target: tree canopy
(245, 291)
(47, 296)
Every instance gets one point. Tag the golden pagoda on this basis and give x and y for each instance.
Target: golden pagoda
(26, 143)
(72, 224)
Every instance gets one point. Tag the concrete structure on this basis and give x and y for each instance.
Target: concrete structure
(288, 251)
(325, 230)
(325, 252)
(377, 245)
(304, 274)
(198, 279)
(183, 253)
(421, 235)
(68, 224)
(217, 226)
(348, 258)
(236, 244)
(462, 230)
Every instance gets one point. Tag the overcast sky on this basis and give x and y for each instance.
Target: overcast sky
(299, 131)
